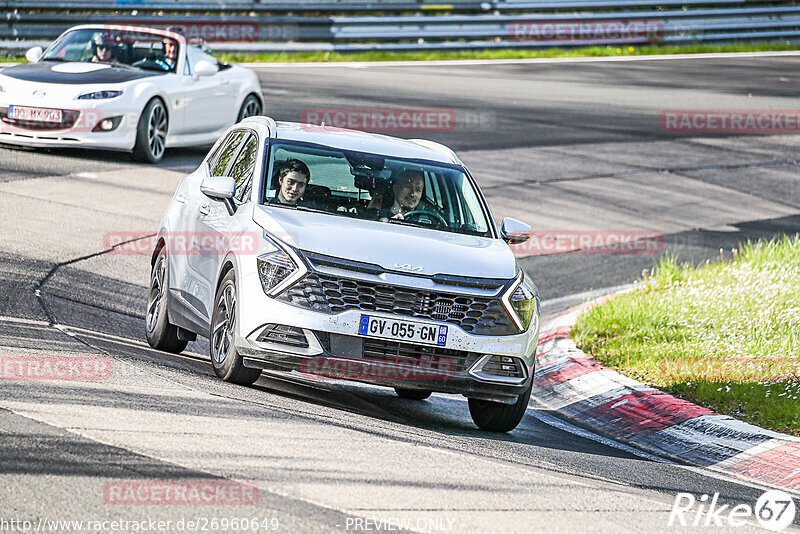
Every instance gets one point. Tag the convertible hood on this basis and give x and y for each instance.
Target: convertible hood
(75, 73)
(392, 246)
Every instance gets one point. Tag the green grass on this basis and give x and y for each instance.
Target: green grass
(723, 335)
(594, 51)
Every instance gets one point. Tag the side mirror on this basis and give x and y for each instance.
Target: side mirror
(514, 232)
(205, 68)
(34, 54)
(218, 187)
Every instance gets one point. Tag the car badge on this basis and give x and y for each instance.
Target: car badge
(38, 93)
(408, 267)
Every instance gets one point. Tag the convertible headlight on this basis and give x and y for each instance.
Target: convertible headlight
(99, 95)
(277, 270)
(521, 300)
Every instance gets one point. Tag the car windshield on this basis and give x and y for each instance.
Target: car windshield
(373, 187)
(129, 47)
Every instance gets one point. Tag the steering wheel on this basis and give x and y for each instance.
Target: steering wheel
(418, 214)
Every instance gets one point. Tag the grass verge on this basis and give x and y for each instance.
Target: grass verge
(723, 335)
(593, 51)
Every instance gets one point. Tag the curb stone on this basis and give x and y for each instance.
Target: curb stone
(581, 390)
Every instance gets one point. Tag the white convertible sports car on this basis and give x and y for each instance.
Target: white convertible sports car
(123, 88)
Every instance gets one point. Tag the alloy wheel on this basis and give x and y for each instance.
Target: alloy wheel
(157, 130)
(222, 334)
(156, 294)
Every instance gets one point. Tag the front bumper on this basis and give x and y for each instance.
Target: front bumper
(334, 348)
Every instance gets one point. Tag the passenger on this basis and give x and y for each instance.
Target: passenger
(293, 177)
(102, 49)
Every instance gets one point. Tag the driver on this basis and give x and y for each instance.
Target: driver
(293, 177)
(170, 58)
(408, 189)
(102, 49)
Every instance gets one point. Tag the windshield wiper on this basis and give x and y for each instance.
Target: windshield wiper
(61, 59)
(298, 208)
(409, 223)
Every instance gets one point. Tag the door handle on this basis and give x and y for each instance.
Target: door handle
(180, 198)
(204, 209)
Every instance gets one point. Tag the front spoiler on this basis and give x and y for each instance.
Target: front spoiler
(389, 374)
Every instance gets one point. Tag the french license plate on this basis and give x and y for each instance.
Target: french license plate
(22, 113)
(402, 330)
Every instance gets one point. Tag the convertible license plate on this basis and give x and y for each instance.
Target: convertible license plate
(402, 330)
(22, 113)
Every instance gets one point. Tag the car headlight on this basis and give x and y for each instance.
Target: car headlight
(521, 302)
(99, 95)
(278, 269)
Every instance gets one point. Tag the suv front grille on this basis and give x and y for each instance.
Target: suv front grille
(330, 294)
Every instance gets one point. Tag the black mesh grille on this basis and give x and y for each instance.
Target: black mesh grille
(477, 315)
(437, 359)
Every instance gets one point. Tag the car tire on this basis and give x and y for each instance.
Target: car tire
(160, 333)
(225, 359)
(250, 108)
(151, 132)
(498, 417)
(412, 394)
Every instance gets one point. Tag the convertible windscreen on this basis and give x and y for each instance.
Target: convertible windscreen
(127, 48)
(373, 187)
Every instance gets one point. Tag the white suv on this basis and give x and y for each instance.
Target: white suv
(349, 255)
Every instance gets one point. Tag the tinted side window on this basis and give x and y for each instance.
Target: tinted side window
(226, 152)
(242, 170)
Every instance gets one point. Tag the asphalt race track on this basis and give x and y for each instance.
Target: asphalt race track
(565, 147)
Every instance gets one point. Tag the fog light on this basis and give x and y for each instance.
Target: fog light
(288, 335)
(108, 124)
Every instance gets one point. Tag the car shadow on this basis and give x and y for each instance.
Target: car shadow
(174, 158)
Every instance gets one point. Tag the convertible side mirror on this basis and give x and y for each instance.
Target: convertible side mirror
(205, 68)
(514, 232)
(34, 54)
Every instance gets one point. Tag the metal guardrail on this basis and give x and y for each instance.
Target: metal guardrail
(355, 25)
